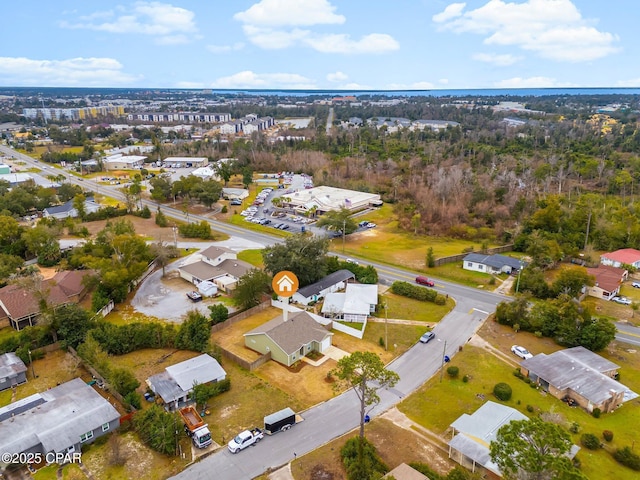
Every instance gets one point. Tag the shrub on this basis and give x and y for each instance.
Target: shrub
(161, 219)
(381, 342)
(607, 435)
(590, 441)
(502, 391)
(596, 412)
(134, 400)
(372, 464)
(574, 428)
(453, 371)
(224, 209)
(530, 408)
(626, 457)
(465, 379)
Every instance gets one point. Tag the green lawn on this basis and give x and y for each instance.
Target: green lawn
(455, 273)
(437, 404)
(252, 256)
(404, 308)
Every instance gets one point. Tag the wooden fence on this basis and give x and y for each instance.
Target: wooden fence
(236, 317)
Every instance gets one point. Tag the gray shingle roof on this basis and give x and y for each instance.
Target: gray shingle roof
(326, 282)
(576, 369)
(179, 379)
(11, 365)
(298, 330)
(495, 261)
(54, 418)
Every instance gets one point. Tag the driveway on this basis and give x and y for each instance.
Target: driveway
(166, 298)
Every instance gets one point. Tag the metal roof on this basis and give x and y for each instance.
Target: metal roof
(54, 419)
(495, 261)
(326, 282)
(11, 365)
(577, 369)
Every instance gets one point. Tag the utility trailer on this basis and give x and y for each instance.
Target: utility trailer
(280, 421)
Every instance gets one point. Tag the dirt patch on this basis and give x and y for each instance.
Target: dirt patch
(47, 272)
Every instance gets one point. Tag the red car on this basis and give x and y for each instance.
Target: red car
(425, 281)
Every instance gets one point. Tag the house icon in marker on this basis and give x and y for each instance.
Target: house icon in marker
(285, 283)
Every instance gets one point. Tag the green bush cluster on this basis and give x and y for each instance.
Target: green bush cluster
(502, 391)
(627, 457)
(607, 435)
(590, 441)
(453, 371)
(196, 230)
(371, 465)
(413, 291)
(105, 213)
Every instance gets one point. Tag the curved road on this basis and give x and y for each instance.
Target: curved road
(339, 415)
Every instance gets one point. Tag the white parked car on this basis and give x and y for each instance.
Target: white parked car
(622, 300)
(521, 352)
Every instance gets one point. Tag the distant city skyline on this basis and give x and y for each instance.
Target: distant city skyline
(321, 44)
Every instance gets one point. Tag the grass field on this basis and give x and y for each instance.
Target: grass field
(404, 308)
(437, 404)
(252, 256)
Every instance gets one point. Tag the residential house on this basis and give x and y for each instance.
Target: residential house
(289, 340)
(20, 307)
(331, 283)
(175, 385)
(13, 371)
(493, 264)
(579, 374)
(355, 304)
(608, 281)
(473, 434)
(626, 256)
(68, 210)
(58, 420)
(219, 265)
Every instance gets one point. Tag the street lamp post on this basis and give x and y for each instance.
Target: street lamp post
(518, 281)
(386, 319)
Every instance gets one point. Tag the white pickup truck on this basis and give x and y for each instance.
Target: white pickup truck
(245, 439)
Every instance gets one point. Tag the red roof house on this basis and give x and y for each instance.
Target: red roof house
(627, 256)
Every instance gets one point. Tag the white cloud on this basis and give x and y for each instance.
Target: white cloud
(249, 79)
(342, 43)
(452, 11)
(496, 59)
(79, 71)
(355, 86)
(274, 24)
(167, 24)
(337, 77)
(553, 29)
(280, 13)
(225, 48)
(532, 82)
(632, 83)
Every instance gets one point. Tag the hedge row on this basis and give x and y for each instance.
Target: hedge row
(406, 289)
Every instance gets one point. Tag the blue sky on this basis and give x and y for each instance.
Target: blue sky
(324, 44)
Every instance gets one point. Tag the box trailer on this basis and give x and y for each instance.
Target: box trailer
(280, 421)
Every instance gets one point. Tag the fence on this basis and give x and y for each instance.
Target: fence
(236, 317)
(354, 332)
(104, 311)
(459, 257)
(244, 363)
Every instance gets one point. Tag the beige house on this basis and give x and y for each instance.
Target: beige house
(579, 374)
(288, 341)
(608, 280)
(219, 265)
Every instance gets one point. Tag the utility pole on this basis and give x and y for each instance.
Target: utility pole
(518, 281)
(586, 237)
(344, 226)
(386, 319)
(444, 354)
(33, 370)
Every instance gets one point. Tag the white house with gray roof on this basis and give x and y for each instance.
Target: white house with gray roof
(215, 264)
(175, 384)
(355, 304)
(57, 420)
(493, 264)
(331, 283)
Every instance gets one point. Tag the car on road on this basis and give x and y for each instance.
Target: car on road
(521, 352)
(635, 284)
(351, 260)
(425, 281)
(427, 337)
(622, 300)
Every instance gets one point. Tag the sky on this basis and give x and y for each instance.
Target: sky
(320, 44)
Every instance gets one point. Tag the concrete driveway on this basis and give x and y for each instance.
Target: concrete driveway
(167, 299)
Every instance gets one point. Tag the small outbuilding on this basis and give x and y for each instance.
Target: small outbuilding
(13, 371)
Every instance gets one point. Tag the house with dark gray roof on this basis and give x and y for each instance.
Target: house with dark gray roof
(289, 340)
(331, 283)
(175, 385)
(493, 264)
(581, 375)
(58, 420)
(13, 371)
